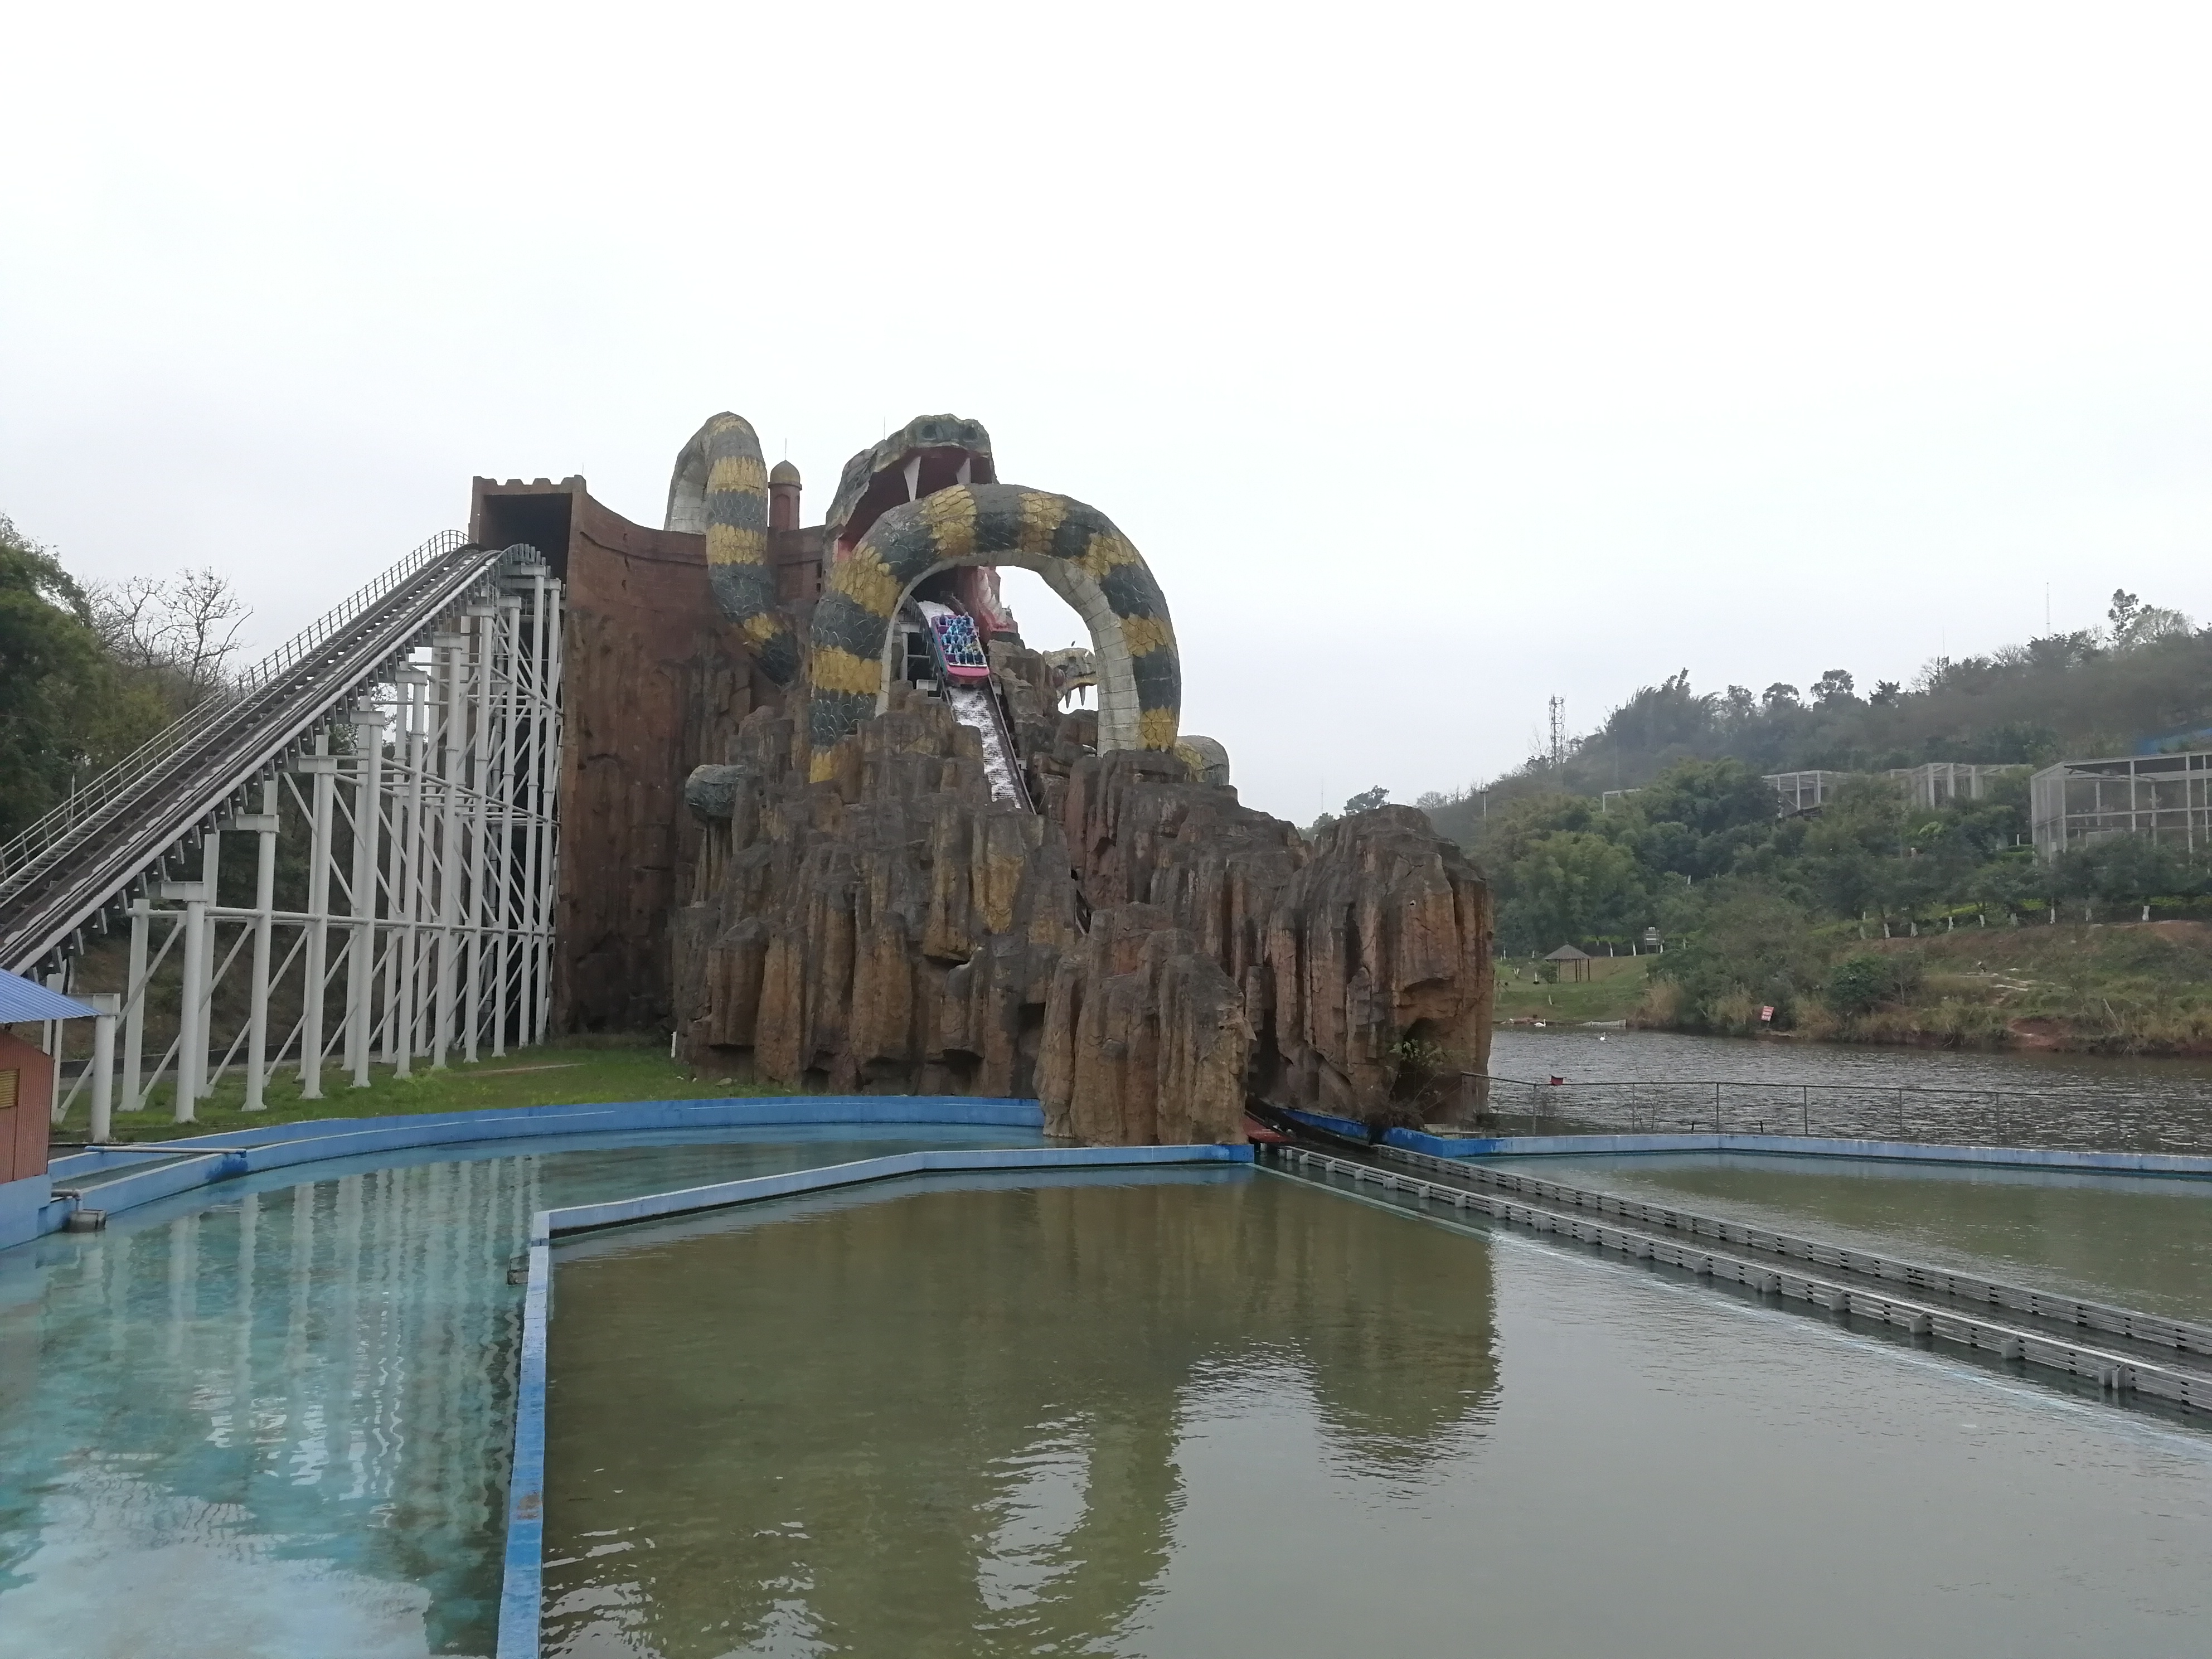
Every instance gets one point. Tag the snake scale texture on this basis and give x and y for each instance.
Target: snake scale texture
(1076, 550)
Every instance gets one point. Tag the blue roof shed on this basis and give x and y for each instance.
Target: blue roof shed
(24, 999)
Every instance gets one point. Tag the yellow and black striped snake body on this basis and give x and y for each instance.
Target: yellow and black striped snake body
(1074, 547)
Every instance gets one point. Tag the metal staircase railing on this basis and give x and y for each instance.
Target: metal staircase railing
(64, 867)
(19, 853)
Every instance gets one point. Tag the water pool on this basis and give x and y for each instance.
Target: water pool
(1190, 1412)
(1237, 1414)
(274, 1417)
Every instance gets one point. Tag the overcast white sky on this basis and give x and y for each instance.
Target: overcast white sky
(1440, 358)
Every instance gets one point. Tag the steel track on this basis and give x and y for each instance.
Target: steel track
(80, 861)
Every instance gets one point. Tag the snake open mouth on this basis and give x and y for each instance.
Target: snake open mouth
(931, 453)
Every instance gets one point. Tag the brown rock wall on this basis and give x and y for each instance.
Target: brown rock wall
(1382, 938)
(1376, 935)
(1142, 956)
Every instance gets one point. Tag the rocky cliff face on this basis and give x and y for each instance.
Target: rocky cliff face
(1140, 954)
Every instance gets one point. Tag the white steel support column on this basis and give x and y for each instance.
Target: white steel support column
(263, 824)
(421, 799)
(361, 967)
(321, 766)
(508, 637)
(53, 1037)
(204, 1020)
(525, 988)
(191, 1023)
(548, 803)
(451, 659)
(105, 1004)
(392, 802)
(135, 992)
(407, 872)
(478, 757)
(395, 870)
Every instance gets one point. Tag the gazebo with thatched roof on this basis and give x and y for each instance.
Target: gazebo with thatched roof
(1575, 963)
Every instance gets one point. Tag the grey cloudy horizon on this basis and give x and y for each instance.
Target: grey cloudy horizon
(1440, 360)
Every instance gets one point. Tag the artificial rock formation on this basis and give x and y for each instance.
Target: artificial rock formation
(1142, 954)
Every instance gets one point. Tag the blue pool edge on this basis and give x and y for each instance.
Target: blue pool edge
(32, 1208)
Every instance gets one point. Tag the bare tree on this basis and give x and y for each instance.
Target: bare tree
(181, 632)
(126, 615)
(205, 614)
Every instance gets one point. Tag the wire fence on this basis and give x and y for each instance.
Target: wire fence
(2077, 1117)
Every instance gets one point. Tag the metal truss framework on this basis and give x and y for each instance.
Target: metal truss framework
(2165, 798)
(430, 812)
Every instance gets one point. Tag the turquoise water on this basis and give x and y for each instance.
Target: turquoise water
(280, 1424)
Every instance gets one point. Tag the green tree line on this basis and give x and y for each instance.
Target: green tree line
(1754, 909)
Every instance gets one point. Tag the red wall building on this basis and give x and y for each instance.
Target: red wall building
(654, 682)
(27, 1099)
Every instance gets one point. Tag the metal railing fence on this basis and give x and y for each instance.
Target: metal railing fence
(2073, 1117)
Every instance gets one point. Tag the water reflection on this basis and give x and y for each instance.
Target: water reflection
(280, 1424)
(956, 1422)
(305, 1374)
(1267, 1420)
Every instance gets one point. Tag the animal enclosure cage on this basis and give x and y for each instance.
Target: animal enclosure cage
(2167, 797)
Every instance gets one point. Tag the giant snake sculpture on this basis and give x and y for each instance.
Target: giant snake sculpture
(721, 488)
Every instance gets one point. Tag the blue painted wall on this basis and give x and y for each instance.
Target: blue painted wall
(20, 1202)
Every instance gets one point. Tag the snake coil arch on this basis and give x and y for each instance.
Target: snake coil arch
(720, 489)
(1075, 548)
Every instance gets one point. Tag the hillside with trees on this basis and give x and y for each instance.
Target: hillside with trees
(1659, 820)
(2146, 677)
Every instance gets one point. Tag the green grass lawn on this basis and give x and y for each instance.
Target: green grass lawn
(1614, 987)
(556, 1075)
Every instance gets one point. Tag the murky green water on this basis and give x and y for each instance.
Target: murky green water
(1242, 1416)
(2138, 1241)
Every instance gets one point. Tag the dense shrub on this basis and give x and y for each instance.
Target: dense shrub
(1862, 981)
(1748, 947)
